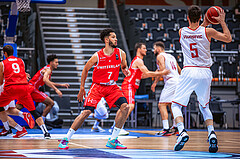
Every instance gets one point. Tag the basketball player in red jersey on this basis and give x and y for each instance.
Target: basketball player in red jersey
(138, 71)
(39, 79)
(106, 62)
(12, 69)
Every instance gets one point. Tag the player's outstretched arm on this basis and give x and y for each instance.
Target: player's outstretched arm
(1, 73)
(49, 83)
(226, 35)
(124, 66)
(93, 60)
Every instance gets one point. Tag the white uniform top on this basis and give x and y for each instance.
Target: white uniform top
(171, 65)
(195, 47)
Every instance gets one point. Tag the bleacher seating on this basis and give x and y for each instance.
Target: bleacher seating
(164, 25)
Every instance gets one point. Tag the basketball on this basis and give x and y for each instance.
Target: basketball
(212, 12)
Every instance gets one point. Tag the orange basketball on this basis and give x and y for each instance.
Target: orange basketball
(213, 12)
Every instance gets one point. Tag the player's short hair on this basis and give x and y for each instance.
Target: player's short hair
(139, 45)
(51, 58)
(106, 32)
(194, 13)
(8, 49)
(160, 44)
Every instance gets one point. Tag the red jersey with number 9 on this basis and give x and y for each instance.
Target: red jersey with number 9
(14, 71)
(106, 71)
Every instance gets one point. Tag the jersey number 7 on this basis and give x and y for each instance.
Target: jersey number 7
(194, 51)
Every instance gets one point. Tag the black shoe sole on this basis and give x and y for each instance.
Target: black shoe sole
(213, 148)
(181, 143)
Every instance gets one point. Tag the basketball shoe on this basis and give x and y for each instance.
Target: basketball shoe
(28, 118)
(20, 133)
(213, 143)
(97, 129)
(5, 132)
(164, 132)
(63, 144)
(115, 144)
(47, 135)
(174, 130)
(181, 140)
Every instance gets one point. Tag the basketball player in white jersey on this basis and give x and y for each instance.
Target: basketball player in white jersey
(166, 61)
(100, 113)
(196, 74)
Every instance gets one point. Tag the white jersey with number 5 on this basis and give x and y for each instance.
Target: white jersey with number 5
(171, 65)
(195, 47)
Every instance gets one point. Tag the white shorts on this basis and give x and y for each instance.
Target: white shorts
(194, 79)
(101, 111)
(11, 104)
(168, 91)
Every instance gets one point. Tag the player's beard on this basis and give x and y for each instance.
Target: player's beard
(112, 45)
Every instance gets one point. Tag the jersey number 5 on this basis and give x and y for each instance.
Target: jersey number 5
(195, 53)
(15, 68)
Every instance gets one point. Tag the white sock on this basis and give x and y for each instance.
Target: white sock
(115, 133)
(70, 133)
(18, 127)
(174, 123)
(96, 124)
(210, 129)
(165, 124)
(43, 118)
(180, 127)
(20, 114)
(43, 128)
(6, 125)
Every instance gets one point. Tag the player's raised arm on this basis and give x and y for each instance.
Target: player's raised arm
(93, 60)
(212, 33)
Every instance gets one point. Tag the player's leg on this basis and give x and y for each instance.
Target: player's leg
(100, 113)
(120, 119)
(89, 105)
(203, 95)
(173, 129)
(49, 104)
(4, 118)
(21, 131)
(164, 115)
(26, 116)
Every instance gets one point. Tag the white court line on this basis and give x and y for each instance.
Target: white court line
(79, 145)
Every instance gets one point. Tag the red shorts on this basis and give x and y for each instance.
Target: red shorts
(36, 95)
(18, 92)
(111, 93)
(129, 92)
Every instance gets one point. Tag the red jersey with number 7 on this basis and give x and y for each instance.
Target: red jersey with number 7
(106, 71)
(14, 71)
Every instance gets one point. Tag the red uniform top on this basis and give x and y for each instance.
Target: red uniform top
(136, 74)
(106, 71)
(37, 80)
(14, 71)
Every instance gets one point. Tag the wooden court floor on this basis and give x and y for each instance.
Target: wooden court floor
(229, 142)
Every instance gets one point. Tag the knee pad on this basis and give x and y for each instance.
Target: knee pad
(207, 114)
(35, 114)
(120, 101)
(2, 109)
(176, 110)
